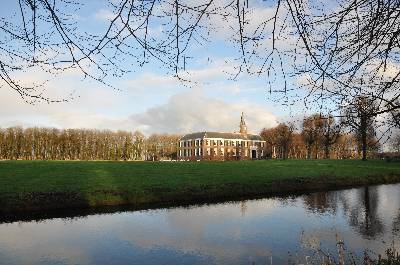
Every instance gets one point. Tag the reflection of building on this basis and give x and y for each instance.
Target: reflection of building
(221, 146)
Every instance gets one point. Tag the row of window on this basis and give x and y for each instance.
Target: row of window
(215, 151)
(196, 143)
(190, 143)
(190, 152)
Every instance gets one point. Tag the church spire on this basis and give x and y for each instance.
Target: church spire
(243, 127)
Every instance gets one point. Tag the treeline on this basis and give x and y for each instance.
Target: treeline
(318, 137)
(84, 144)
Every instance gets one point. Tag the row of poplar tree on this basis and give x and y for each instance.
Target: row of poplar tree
(83, 144)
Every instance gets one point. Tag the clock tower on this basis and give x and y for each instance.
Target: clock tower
(243, 126)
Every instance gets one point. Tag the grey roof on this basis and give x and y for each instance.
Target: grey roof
(222, 135)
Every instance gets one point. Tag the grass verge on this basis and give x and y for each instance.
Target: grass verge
(47, 185)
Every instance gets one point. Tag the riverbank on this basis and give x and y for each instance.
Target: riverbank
(48, 185)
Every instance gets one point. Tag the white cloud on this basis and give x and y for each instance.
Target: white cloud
(212, 74)
(185, 111)
(90, 106)
(150, 80)
(105, 14)
(192, 110)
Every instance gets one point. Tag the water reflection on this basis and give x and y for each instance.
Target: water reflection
(231, 233)
(360, 207)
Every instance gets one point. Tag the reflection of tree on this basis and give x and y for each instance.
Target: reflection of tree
(361, 211)
(364, 214)
(396, 224)
(243, 208)
(322, 202)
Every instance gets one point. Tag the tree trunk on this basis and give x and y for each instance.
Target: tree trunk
(309, 152)
(364, 147)
(363, 128)
(316, 150)
(327, 154)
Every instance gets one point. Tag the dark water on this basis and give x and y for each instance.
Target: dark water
(231, 233)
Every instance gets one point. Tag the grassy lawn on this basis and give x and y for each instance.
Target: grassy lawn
(41, 185)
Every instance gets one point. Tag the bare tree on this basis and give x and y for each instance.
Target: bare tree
(341, 50)
(162, 146)
(45, 36)
(330, 134)
(278, 140)
(395, 143)
(360, 118)
(311, 133)
(269, 135)
(70, 144)
(42, 36)
(284, 134)
(351, 50)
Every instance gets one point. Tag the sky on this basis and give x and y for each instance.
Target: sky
(149, 98)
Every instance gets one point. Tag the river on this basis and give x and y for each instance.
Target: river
(261, 231)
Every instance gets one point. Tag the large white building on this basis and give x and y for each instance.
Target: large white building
(221, 145)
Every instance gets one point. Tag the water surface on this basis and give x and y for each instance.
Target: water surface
(246, 232)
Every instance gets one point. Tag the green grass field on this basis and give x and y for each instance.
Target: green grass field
(43, 185)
